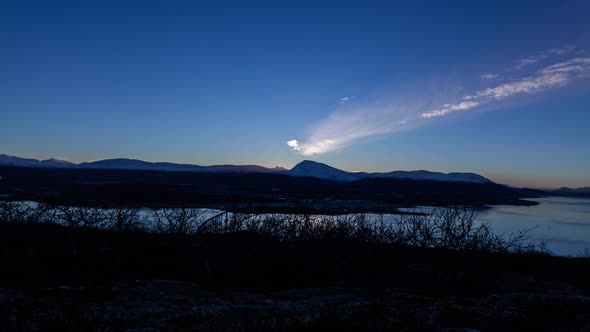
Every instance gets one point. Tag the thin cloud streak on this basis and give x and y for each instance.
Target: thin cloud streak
(489, 76)
(524, 62)
(552, 76)
(527, 85)
(448, 108)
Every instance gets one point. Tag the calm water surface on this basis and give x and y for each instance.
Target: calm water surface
(563, 222)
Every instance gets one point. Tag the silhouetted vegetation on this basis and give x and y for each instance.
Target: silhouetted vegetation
(450, 228)
(112, 269)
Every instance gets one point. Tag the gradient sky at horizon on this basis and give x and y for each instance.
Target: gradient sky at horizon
(229, 82)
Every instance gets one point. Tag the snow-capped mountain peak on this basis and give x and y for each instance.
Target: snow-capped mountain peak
(323, 171)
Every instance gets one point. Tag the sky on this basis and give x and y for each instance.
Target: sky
(500, 88)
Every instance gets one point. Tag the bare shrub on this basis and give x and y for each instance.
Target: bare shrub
(455, 228)
(178, 220)
(83, 216)
(124, 219)
(270, 224)
(452, 228)
(24, 212)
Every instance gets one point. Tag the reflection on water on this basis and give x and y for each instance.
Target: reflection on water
(563, 222)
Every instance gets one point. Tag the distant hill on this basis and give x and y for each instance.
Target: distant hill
(564, 191)
(134, 164)
(7, 160)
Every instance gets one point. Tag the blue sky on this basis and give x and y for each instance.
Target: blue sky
(497, 88)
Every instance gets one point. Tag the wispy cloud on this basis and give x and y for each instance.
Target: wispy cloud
(448, 108)
(529, 60)
(345, 127)
(555, 75)
(561, 51)
(577, 65)
(526, 61)
(489, 76)
(526, 85)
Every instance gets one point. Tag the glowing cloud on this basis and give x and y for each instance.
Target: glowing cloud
(294, 144)
(343, 128)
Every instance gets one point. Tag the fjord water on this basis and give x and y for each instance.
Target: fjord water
(562, 222)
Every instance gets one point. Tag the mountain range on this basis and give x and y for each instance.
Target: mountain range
(305, 168)
(133, 164)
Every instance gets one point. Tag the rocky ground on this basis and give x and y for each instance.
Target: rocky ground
(55, 278)
(174, 305)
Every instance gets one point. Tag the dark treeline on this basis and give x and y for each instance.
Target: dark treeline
(156, 188)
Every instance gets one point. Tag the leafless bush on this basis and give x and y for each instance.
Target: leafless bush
(452, 228)
(455, 228)
(125, 219)
(271, 224)
(178, 220)
(83, 216)
(24, 212)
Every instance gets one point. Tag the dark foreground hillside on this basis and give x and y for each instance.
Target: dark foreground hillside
(82, 279)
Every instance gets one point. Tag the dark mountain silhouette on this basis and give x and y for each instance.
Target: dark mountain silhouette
(133, 164)
(306, 168)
